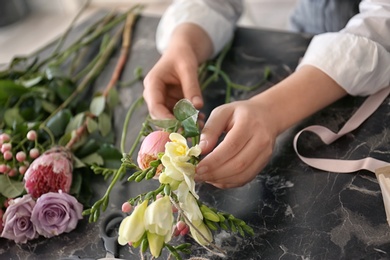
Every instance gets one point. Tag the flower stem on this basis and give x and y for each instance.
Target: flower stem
(130, 112)
(126, 41)
(89, 77)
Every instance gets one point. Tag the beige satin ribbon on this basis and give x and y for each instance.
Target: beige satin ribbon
(380, 168)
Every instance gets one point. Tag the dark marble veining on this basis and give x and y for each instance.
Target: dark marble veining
(297, 212)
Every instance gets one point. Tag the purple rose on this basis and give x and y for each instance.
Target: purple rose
(55, 213)
(16, 219)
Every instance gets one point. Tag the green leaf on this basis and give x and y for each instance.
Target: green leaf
(165, 123)
(64, 140)
(77, 180)
(111, 155)
(187, 114)
(13, 117)
(9, 88)
(97, 105)
(104, 122)
(9, 187)
(113, 98)
(93, 158)
(48, 106)
(28, 83)
(77, 163)
(75, 123)
(91, 146)
(57, 124)
(92, 125)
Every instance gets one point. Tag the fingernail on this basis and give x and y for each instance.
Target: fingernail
(196, 100)
(201, 170)
(202, 142)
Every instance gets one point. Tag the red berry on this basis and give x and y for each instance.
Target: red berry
(126, 207)
(7, 155)
(21, 156)
(34, 153)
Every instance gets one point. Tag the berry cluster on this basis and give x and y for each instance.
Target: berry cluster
(14, 157)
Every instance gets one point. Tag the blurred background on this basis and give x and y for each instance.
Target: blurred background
(28, 25)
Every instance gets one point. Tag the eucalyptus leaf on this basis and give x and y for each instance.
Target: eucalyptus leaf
(77, 180)
(10, 188)
(104, 122)
(9, 88)
(187, 114)
(92, 125)
(165, 123)
(77, 163)
(48, 106)
(93, 158)
(64, 140)
(113, 98)
(91, 146)
(28, 83)
(111, 156)
(75, 123)
(12, 117)
(57, 124)
(97, 105)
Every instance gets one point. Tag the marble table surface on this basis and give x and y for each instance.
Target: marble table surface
(297, 212)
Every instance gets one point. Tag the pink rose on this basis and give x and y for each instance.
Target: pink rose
(56, 213)
(152, 145)
(16, 219)
(50, 172)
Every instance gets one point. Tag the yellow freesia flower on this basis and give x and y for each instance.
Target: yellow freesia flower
(132, 227)
(176, 160)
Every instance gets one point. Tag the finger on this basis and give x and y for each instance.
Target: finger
(191, 88)
(240, 170)
(214, 127)
(154, 95)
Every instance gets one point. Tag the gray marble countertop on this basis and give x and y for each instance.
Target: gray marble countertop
(297, 212)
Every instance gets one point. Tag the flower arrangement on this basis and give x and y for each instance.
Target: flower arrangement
(174, 208)
(51, 132)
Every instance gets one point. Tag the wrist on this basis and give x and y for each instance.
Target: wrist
(190, 38)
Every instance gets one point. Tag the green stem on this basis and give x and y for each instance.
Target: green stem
(63, 37)
(130, 112)
(90, 76)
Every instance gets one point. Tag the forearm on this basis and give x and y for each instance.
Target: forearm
(298, 96)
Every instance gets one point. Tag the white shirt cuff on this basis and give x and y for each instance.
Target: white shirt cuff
(219, 29)
(356, 63)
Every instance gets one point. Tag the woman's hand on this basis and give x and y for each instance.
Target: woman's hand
(246, 148)
(175, 75)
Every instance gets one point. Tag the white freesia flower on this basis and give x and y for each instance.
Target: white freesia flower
(188, 204)
(132, 227)
(158, 221)
(176, 161)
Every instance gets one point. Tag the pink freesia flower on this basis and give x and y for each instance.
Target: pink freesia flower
(152, 145)
(56, 213)
(16, 220)
(50, 172)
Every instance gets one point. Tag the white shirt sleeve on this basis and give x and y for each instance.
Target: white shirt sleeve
(357, 57)
(217, 17)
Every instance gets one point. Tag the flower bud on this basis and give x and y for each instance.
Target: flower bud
(50, 172)
(152, 145)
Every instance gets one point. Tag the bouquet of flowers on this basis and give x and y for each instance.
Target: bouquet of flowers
(50, 133)
(174, 208)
